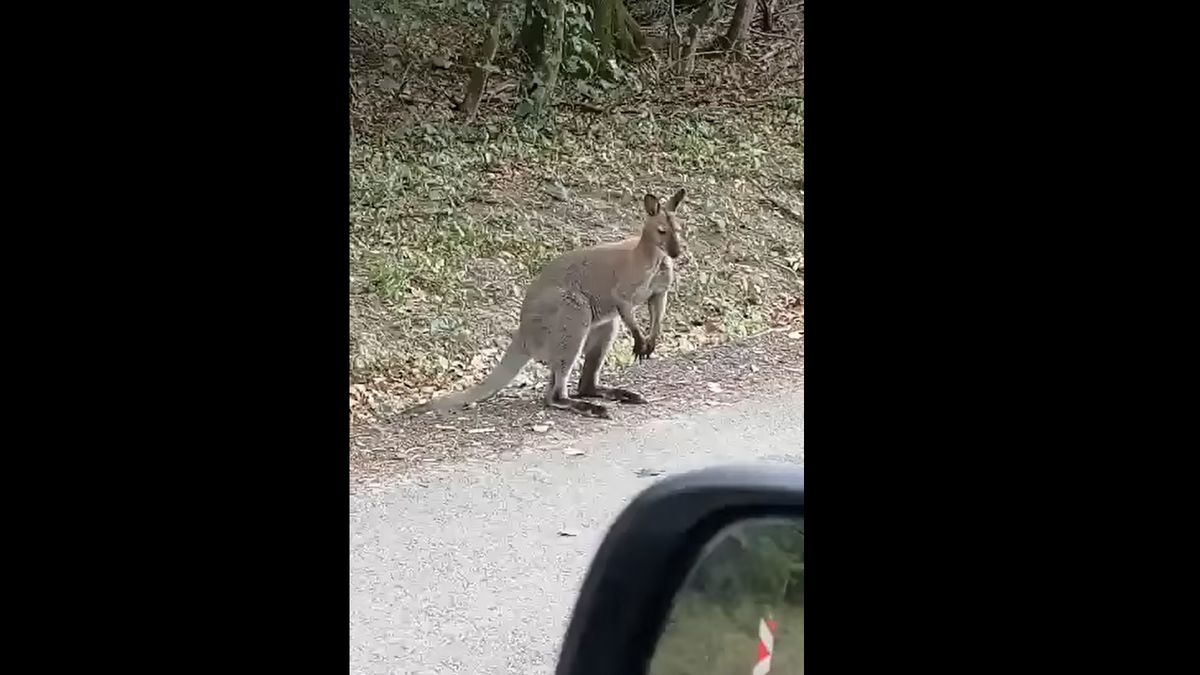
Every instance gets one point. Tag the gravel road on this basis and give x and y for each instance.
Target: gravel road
(472, 565)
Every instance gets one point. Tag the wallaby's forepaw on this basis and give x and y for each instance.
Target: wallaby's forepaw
(642, 349)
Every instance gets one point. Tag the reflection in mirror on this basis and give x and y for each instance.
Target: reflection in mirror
(741, 609)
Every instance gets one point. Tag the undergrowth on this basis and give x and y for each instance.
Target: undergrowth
(449, 220)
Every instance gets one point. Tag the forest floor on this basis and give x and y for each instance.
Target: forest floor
(451, 218)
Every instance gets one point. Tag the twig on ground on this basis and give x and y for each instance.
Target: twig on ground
(787, 211)
(588, 107)
(671, 65)
(784, 208)
(784, 267)
(764, 33)
(768, 99)
(769, 55)
(404, 75)
(507, 86)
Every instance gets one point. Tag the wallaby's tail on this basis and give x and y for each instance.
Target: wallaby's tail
(514, 359)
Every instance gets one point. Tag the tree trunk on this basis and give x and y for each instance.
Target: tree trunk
(483, 63)
(541, 37)
(740, 23)
(766, 22)
(674, 39)
(707, 13)
(530, 37)
(550, 58)
(629, 34)
(613, 28)
(603, 14)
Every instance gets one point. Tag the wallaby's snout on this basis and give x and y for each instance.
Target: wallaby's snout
(674, 245)
(662, 225)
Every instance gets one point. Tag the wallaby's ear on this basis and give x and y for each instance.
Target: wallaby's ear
(676, 200)
(651, 203)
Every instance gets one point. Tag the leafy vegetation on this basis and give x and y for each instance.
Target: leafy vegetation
(754, 571)
(454, 207)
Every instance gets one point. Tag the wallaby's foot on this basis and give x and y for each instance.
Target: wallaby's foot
(581, 407)
(589, 409)
(612, 394)
(593, 409)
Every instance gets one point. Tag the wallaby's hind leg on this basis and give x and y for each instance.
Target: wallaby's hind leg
(564, 351)
(556, 394)
(598, 341)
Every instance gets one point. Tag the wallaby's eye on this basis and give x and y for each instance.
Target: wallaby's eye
(662, 230)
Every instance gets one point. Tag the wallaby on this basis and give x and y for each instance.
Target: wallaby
(572, 307)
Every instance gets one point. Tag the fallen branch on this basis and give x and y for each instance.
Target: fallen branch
(507, 86)
(787, 211)
(762, 333)
(413, 99)
(404, 76)
(672, 64)
(768, 99)
(771, 54)
(588, 107)
(784, 208)
(784, 267)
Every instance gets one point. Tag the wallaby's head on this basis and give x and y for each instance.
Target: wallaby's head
(661, 226)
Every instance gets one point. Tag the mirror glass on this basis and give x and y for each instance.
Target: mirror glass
(741, 609)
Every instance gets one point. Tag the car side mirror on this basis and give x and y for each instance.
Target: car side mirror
(701, 573)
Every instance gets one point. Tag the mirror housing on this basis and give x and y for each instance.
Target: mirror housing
(646, 555)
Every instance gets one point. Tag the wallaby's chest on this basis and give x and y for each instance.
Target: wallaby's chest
(658, 282)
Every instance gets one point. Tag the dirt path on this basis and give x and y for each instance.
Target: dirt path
(516, 423)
